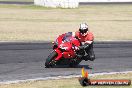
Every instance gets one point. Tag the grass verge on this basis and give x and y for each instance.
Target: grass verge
(68, 83)
(36, 23)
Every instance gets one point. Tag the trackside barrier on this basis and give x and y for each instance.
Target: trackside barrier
(57, 3)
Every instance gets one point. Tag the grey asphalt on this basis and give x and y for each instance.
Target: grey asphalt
(20, 61)
(16, 2)
(103, 3)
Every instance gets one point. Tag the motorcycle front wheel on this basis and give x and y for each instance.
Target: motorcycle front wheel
(50, 61)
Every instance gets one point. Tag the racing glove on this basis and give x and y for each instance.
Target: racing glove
(86, 45)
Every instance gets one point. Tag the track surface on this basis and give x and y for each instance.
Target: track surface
(16, 2)
(20, 61)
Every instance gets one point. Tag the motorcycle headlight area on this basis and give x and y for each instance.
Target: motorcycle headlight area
(63, 47)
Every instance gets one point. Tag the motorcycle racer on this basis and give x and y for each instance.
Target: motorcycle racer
(86, 38)
(72, 47)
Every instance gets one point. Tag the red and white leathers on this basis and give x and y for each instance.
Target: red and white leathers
(86, 38)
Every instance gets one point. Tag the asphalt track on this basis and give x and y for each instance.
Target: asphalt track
(20, 61)
(16, 2)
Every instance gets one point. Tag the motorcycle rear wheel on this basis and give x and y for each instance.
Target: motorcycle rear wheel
(50, 61)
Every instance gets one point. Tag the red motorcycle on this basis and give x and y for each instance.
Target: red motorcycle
(64, 52)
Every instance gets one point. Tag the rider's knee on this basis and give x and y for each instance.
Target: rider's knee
(92, 57)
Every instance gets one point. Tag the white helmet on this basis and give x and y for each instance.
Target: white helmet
(83, 28)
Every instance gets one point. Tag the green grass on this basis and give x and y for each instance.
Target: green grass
(13, 6)
(37, 23)
(68, 83)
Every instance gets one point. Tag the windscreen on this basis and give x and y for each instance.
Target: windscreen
(68, 37)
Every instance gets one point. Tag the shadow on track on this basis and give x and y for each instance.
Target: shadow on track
(78, 66)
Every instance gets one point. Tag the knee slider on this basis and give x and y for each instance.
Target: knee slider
(92, 58)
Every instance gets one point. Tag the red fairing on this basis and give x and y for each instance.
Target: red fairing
(66, 47)
(69, 54)
(59, 39)
(59, 56)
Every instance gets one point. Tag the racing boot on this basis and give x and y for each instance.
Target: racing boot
(85, 58)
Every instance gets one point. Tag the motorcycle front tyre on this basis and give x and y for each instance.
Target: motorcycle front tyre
(49, 59)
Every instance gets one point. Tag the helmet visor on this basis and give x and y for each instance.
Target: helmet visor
(83, 31)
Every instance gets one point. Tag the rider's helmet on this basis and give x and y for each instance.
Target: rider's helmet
(83, 29)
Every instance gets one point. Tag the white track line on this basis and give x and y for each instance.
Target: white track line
(60, 77)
